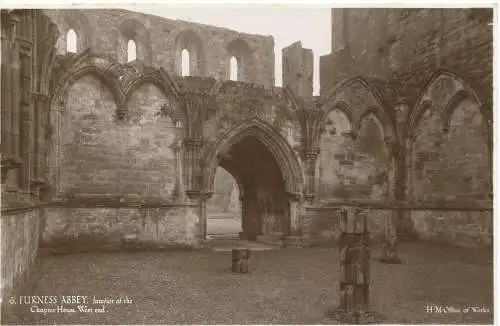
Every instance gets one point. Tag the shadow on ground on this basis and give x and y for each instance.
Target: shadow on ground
(289, 286)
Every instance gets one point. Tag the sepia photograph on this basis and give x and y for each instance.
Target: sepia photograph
(211, 163)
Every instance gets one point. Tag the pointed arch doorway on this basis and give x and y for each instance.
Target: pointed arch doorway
(268, 175)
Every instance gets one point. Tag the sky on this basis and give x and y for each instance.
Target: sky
(286, 23)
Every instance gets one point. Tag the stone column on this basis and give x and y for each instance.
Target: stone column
(178, 193)
(389, 244)
(192, 164)
(203, 214)
(295, 211)
(10, 90)
(243, 214)
(40, 106)
(26, 114)
(198, 199)
(6, 93)
(354, 307)
(310, 158)
(54, 154)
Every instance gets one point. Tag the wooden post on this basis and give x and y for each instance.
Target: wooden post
(354, 269)
(240, 260)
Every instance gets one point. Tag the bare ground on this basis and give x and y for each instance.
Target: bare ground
(288, 286)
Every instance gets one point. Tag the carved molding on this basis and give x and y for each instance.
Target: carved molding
(408, 205)
(111, 201)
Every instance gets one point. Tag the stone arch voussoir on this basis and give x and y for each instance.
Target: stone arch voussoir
(380, 109)
(461, 90)
(277, 145)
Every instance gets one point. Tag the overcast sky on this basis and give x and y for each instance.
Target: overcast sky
(286, 23)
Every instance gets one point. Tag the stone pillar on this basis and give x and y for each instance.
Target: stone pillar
(354, 307)
(243, 215)
(6, 90)
(179, 193)
(310, 158)
(240, 259)
(389, 244)
(10, 90)
(40, 102)
(26, 114)
(15, 74)
(192, 164)
(54, 156)
(295, 211)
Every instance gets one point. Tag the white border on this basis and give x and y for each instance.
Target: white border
(328, 4)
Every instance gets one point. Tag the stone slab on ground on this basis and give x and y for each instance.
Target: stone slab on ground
(228, 245)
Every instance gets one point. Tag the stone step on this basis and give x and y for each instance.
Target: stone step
(284, 241)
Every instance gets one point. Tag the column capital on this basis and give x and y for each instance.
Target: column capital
(311, 153)
(198, 195)
(192, 142)
(309, 197)
(121, 113)
(40, 97)
(294, 196)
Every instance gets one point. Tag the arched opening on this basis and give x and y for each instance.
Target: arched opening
(185, 63)
(131, 51)
(71, 41)
(233, 68)
(223, 208)
(242, 54)
(265, 208)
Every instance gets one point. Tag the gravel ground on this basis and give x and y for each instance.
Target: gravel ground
(289, 286)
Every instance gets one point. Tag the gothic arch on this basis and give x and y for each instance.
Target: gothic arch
(380, 108)
(102, 75)
(449, 109)
(460, 91)
(159, 78)
(191, 40)
(380, 119)
(47, 52)
(241, 50)
(341, 106)
(135, 30)
(76, 20)
(277, 145)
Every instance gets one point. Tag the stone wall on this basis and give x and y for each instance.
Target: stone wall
(28, 40)
(352, 168)
(19, 246)
(99, 156)
(426, 76)
(74, 227)
(454, 163)
(464, 228)
(160, 41)
(409, 45)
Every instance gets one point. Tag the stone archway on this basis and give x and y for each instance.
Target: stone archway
(269, 175)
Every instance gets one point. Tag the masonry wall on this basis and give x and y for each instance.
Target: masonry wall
(452, 164)
(352, 168)
(444, 127)
(99, 156)
(79, 228)
(441, 226)
(160, 42)
(409, 45)
(19, 249)
(23, 112)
